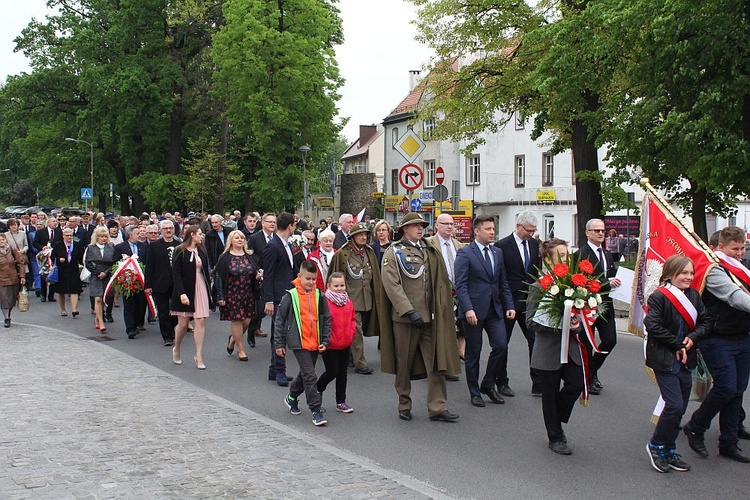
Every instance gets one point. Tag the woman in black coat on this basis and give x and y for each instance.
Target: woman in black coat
(67, 256)
(99, 259)
(191, 297)
(671, 336)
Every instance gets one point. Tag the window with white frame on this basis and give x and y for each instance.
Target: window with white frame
(520, 161)
(472, 170)
(429, 173)
(429, 127)
(394, 137)
(548, 169)
(394, 181)
(519, 120)
(360, 169)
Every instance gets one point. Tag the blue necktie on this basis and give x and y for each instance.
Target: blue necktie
(487, 258)
(526, 258)
(134, 248)
(601, 262)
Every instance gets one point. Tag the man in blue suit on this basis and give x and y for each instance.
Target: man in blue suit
(484, 301)
(278, 273)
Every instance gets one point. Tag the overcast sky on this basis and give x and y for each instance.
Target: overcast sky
(378, 52)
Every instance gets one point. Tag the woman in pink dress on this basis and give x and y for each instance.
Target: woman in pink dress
(190, 296)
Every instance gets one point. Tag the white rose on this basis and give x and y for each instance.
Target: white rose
(579, 303)
(569, 292)
(554, 290)
(598, 298)
(582, 291)
(592, 302)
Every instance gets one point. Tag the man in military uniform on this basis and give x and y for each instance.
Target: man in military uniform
(423, 340)
(357, 260)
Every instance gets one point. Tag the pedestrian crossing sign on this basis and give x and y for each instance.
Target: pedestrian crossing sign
(86, 194)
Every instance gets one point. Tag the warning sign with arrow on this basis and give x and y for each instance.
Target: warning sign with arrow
(410, 176)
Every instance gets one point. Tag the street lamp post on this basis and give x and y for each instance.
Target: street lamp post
(304, 150)
(91, 146)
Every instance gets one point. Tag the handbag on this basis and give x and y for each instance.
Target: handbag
(85, 273)
(53, 276)
(23, 300)
(702, 380)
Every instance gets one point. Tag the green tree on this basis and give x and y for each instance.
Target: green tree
(276, 71)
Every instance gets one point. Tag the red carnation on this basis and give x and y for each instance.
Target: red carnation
(546, 281)
(586, 266)
(594, 286)
(578, 279)
(560, 270)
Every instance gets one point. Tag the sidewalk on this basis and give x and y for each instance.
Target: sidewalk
(81, 420)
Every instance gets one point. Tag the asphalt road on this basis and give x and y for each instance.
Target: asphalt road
(499, 451)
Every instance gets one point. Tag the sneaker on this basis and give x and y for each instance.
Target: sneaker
(292, 404)
(318, 418)
(344, 408)
(675, 462)
(657, 454)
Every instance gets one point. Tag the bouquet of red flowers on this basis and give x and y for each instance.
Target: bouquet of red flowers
(572, 283)
(126, 280)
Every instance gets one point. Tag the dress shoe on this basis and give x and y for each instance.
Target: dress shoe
(51, 297)
(260, 333)
(38, 293)
(444, 416)
(251, 340)
(201, 365)
(230, 346)
(696, 442)
(596, 391)
(132, 334)
(74, 313)
(405, 415)
(451, 378)
(506, 391)
(364, 371)
(7, 323)
(735, 453)
(560, 447)
(242, 358)
(281, 379)
(109, 319)
(742, 432)
(491, 393)
(477, 401)
(595, 382)
(175, 358)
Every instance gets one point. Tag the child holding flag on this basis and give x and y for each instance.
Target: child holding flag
(676, 319)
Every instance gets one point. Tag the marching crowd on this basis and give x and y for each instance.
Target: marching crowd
(428, 298)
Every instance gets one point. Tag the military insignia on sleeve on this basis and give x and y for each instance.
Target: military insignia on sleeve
(385, 261)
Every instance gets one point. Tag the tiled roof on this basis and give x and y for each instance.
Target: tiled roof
(410, 102)
(357, 149)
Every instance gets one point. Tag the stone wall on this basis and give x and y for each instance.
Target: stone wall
(356, 192)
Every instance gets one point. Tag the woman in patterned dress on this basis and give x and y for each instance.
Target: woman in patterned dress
(190, 295)
(236, 277)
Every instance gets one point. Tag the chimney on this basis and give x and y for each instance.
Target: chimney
(366, 132)
(414, 78)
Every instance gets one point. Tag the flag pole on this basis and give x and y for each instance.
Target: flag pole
(646, 184)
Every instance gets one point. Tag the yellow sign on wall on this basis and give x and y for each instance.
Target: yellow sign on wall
(325, 202)
(392, 202)
(545, 195)
(464, 208)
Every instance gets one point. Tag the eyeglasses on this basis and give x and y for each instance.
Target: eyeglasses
(447, 223)
(597, 230)
(529, 230)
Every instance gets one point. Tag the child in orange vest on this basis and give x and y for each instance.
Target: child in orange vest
(303, 324)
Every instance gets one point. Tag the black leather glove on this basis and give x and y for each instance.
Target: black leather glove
(415, 318)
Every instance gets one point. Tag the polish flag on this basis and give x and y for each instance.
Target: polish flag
(359, 216)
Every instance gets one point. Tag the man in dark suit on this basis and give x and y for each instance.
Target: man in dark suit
(257, 244)
(80, 235)
(216, 240)
(250, 224)
(594, 251)
(521, 256)
(278, 273)
(484, 300)
(345, 224)
(159, 278)
(134, 307)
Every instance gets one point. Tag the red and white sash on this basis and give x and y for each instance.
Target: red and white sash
(735, 267)
(680, 302)
(131, 263)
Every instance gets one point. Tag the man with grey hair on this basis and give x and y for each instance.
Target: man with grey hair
(134, 307)
(216, 239)
(604, 266)
(345, 224)
(159, 281)
(521, 258)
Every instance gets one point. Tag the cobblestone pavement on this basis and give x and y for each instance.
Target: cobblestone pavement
(81, 420)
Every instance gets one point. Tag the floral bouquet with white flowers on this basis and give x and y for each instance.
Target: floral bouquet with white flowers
(570, 289)
(297, 241)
